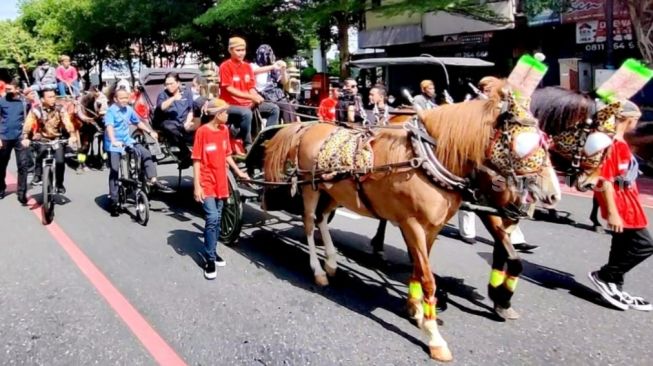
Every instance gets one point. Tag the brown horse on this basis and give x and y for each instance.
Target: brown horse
(580, 133)
(405, 196)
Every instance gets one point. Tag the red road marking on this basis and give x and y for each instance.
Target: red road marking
(151, 340)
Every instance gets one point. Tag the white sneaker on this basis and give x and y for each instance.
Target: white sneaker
(637, 303)
(219, 262)
(609, 291)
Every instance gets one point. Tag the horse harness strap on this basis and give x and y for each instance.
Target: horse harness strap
(424, 147)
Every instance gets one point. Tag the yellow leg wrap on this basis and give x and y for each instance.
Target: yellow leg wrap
(429, 308)
(511, 283)
(81, 158)
(497, 277)
(415, 290)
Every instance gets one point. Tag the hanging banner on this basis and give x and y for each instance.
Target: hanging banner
(584, 10)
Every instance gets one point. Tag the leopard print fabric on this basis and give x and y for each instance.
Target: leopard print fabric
(345, 150)
(501, 157)
(567, 142)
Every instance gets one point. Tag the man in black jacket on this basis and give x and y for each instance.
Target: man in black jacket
(13, 109)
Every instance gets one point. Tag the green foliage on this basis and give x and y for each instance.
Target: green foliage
(469, 8)
(334, 68)
(17, 47)
(307, 74)
(534, 7)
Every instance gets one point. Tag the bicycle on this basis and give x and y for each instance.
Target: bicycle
(132, 182)
(47, 206)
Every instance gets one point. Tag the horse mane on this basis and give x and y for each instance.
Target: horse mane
(463, 131)
(559, 109)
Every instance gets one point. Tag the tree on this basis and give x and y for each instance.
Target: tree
(18, 47)
(641, 15)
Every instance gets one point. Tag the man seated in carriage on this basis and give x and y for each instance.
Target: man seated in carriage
(174, 115)
(380, 113)
(117, 135)
(238, 88)
(350, 106)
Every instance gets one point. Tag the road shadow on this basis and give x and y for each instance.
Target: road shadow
(188, 243)
(281, 254)
(553, 279)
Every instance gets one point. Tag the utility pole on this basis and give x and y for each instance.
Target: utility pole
(609, 29)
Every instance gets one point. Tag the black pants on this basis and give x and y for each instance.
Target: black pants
(177, 135)
(60, 163)
(22, 164)
(147, 161)
(629, 248)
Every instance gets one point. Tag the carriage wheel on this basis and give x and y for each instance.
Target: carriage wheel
(232, 215)
(142, 208)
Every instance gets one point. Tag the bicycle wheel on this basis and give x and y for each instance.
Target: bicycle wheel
(47, 208)
(142, 208)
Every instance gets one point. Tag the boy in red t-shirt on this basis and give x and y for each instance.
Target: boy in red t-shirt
(328, 106)
(618, 198)
(238, 88)
(211, 155)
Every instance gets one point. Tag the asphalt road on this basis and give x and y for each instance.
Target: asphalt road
(263, 309)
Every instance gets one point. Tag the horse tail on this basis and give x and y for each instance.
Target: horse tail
(278, 150)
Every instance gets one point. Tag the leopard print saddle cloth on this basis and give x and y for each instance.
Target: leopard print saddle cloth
(345, 150)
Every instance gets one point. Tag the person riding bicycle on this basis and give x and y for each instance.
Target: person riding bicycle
(117, 136)
(238, 88)
(47, 122)
(174, 115)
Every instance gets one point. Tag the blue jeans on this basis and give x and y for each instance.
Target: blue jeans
(213, 213)
(63, 89)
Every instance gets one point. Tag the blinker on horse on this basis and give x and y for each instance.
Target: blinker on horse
(405, 195)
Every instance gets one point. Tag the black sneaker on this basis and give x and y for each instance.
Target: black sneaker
(609, 291)
(3, 193)
(114, 210)
(160, 187)
(525, 247)
(209, 270)
(61, 190)
(22, 198)
(637, 303)
(36, 181)
(219, 261)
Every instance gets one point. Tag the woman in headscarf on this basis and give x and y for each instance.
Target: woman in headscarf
(271, 75)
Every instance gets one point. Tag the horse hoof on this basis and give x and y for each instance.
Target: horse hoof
(321, 280)
(441, 353)
(508, 314)
(331, 272)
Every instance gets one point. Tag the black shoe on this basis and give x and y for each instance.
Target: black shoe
(3, 193)
(219, 261)
(22, 198)
(524, 247)
(160, 187)
(610, 292)
(36, 181)
(61, 190)
(470, 241)
(209, 270)
(114, 210)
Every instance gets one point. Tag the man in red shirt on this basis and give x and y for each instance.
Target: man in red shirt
(238, 88)
(618, 198)
(327, 110)
(211, 155)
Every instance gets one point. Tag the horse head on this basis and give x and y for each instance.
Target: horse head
(518, 165)
(581, 131)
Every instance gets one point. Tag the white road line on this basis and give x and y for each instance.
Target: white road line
(348, 214)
